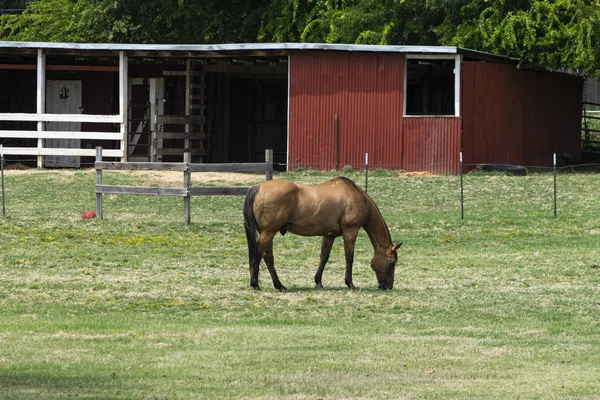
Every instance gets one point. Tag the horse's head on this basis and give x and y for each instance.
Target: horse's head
(384, 265)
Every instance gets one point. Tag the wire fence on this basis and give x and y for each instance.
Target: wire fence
(11, 163)
(529, 188)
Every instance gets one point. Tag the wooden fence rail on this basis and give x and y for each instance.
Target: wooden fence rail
(187, 168)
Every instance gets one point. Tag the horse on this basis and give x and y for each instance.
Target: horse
(337, 207)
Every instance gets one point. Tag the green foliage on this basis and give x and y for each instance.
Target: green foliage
(551, 33)
(555, 34)
(136, 21)
(372, 22)
(54, 20)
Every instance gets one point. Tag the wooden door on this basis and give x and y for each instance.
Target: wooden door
(63, 97)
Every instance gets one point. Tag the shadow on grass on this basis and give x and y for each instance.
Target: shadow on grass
(326, 289)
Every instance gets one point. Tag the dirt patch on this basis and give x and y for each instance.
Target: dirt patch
(175, 178)
(156, 178)
(31, 171)
(171, 178)
(16, 167)
(413, 174)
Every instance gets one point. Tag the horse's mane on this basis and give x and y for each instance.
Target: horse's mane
(370, 200)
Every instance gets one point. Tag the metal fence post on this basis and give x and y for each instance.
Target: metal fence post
(366, 172)
(269, 159)
(462, 192)
(336, 132)
(187, 180)
(98, 183)
(555, 184)
(2, 169)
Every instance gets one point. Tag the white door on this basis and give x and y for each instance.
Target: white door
(63, 97)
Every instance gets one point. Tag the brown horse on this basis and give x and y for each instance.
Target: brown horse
(334, 208)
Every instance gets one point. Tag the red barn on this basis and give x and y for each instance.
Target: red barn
(320, 106)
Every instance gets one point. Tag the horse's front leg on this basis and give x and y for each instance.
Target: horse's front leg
(326, 245)
(349, 242)
(267, 245)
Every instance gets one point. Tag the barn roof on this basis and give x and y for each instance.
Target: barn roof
(235, 49)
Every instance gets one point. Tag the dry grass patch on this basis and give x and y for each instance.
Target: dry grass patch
(175, 179)
(404, 174)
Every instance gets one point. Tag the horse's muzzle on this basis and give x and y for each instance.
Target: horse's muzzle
(385, 286)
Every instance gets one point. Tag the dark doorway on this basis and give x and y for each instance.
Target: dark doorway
(258, 119)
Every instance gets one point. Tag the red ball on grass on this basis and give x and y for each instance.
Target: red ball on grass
(89, 214)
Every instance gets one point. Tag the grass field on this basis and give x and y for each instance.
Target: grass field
(505, 304)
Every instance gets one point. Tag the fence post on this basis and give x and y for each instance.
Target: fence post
(98, 182)
(462, 192)
(2, 168)
(555, 184)
(187, 181)
(336, 132)
(269, 159)
(367, 172)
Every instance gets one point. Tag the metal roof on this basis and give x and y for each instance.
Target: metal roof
(239, 49)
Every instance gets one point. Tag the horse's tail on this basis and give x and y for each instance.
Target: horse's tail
(251, 225)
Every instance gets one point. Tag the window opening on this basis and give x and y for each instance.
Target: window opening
(430, 87)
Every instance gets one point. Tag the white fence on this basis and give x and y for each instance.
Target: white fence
(42, 119)
(42, 134)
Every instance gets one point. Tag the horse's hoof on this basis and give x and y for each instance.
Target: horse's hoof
(319, 286)
(351, 286)
(257, 289)
(282, 289)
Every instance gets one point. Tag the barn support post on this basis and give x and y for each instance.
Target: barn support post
(269, 159)
(98, 182)
(40, 101)
(187, 181)
(124, 103)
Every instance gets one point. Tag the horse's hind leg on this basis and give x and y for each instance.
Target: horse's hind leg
(254, 268)
(266, 243)
(326, 245)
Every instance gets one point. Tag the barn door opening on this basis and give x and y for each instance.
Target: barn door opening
(63, 97)
(258, 119)
(145, 95)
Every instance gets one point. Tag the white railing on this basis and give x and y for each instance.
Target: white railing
(76, 135)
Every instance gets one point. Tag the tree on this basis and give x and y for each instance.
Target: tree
(554, 34)
(365, 22)
(61, 20)
(136, 21)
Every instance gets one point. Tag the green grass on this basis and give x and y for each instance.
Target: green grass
(504, 304)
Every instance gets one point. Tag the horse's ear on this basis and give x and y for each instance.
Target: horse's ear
(396, 246)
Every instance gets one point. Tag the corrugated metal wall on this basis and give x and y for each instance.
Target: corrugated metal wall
(432, 144)
(366, 91)
(519, 117)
